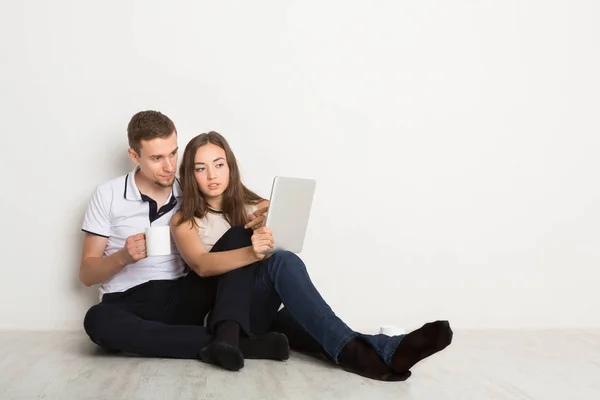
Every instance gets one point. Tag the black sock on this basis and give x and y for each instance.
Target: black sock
(228, 332)
(270, 346)
(421, 343)
(359, 358)
(224, 349)
(223, 354)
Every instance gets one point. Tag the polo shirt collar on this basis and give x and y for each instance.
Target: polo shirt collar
(177, 192)
(132, 193)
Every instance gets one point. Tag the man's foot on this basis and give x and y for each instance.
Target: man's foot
(359, 358)
(421, 343)
(270, 346)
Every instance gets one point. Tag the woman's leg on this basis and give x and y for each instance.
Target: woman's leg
(300, 340)
(230, 315)
(234, 289)
(375, 356)
(307, 321)
(285, 275)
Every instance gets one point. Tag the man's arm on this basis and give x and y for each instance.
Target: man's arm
(95, 268)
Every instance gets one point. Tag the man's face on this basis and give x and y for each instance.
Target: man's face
(158, 160)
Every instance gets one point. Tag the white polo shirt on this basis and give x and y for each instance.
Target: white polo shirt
(118, 210)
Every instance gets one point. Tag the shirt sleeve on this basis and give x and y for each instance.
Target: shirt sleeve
(97, 215)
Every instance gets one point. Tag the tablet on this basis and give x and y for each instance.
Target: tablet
(289, 212)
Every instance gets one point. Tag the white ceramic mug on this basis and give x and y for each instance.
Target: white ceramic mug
(158, 241)
(392, 330)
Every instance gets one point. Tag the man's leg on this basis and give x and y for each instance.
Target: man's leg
(375, 356)
(113, 328)
(138, 321)
(162, 319)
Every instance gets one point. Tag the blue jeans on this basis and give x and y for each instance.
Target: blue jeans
(307, 319)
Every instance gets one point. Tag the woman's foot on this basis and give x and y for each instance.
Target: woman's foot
(359, 358)
(224, 350)
(421, 343)
(223, 354)
(270, 346)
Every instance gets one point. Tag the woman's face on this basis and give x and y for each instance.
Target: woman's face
(211, 171)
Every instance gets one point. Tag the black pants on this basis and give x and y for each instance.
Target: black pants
(165, 318)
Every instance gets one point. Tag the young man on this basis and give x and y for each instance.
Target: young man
(154, 306)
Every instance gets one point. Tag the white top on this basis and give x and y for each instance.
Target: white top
(213, 226)
(118, 210)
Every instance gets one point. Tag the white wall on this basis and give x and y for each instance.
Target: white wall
(455, 144)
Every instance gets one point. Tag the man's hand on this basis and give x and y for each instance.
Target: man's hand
(135, 248)
(257, 219)
(262, 240)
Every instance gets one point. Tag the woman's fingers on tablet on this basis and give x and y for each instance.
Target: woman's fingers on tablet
(259, 221)
(257, 218)
(254, 222)
(261, 211)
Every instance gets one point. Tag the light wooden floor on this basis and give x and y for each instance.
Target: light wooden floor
(478, 365)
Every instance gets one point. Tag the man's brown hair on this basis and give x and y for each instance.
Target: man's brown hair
(148, 125)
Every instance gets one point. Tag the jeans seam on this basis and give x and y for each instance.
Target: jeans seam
(390, 348)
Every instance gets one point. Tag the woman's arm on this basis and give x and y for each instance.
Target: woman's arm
(204, 263)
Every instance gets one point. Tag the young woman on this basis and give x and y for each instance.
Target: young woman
(217, 205)
(210, 205)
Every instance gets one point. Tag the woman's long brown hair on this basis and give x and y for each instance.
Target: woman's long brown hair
(235, 198)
